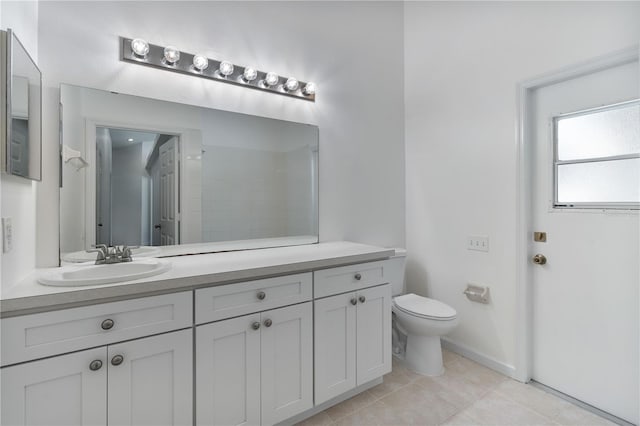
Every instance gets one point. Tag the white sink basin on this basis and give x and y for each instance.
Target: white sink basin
(90, 274)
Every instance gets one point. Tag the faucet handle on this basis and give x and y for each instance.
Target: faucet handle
(102, 251)
(126, 254)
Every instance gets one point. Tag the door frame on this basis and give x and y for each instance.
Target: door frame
(524, 143)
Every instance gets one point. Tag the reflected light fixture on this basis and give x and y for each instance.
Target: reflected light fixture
(169, 58)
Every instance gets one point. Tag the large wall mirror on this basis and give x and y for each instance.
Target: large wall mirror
(21, 105)
(177, 179)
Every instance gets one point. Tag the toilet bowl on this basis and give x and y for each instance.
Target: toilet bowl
(422, 319)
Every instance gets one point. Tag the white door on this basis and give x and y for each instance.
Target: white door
(228, 372)
(585, 298)
(373, 331)
(66, 390)
(335, 345)
(287, 362)
(150, 380)
(169, 193)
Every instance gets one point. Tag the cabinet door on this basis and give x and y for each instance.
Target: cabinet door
(62, 390)
(335, 346)
(373, 333)
(287, 362)
(150, 380)
(228, 372)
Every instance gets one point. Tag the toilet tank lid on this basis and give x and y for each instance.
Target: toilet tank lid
(400, 252)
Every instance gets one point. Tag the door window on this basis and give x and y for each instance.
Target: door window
(597, 157)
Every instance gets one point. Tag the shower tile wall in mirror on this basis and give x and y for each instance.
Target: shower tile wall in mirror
(178, 179)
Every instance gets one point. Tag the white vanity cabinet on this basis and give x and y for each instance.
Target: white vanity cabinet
(352, 331)
(146, 380)
(257, 368)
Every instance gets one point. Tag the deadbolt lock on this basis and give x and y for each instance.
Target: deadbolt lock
(539, 259)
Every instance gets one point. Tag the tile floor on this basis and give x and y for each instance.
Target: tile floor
(467, 394)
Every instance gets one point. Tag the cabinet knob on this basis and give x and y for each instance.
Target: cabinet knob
(268, 322)
(255, 325)
(107, 324)
(357, 276)
(261, 295)
(95, 365)
(117, 360)
(362, 299)
(354, 301)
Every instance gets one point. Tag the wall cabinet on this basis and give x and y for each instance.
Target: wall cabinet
(352, 340)
(255, 369)
(145, 381)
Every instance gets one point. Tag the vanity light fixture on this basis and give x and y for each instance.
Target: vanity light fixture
(200, 62)
(140, 52)
(271, 79)
(249, 74)
(226, 68)
(171, 55)
(140, 47)
(291, 85)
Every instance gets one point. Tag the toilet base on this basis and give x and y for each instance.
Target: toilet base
(424, 355)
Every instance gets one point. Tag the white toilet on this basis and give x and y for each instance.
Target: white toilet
(421, 319)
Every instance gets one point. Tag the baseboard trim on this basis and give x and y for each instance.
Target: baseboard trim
(480, 358)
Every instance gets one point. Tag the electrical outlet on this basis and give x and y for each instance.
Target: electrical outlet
(7, 234)
(478, 243)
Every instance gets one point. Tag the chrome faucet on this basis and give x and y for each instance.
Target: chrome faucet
(108, 255)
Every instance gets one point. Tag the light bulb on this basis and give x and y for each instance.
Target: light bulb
(226, 68)
(249, 74)
(309, 89)
(139, 47)
(200, 62)
(291, 85)
(271, 79)
(171, 55)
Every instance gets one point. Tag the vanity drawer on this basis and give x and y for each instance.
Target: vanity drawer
(232, 300)
(327, 282)
(40, 335)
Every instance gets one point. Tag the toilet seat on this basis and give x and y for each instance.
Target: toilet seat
(423, 307)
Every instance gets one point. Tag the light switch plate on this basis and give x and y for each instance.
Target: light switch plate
(478, 243)
(7, 235)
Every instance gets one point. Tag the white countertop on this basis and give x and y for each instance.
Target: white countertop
(187, 273)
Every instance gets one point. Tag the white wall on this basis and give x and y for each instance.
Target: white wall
(343, 47)
(462, 64)
(17, 195)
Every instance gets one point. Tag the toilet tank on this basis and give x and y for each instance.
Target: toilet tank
(395, 271)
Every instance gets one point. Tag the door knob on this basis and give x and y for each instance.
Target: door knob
(362, 299)
(261, 295)
(255, 325)
(95, 365)
(354, 301)
(539, 259)
(358, 276)
(268, 322)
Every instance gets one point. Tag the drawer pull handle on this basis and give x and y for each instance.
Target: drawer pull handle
(268, 322)
(358, 276)
(354, 301)
(362, 299)
(107, 324)
(261, 295)
(255, 325)
(117, 360)
(95, 365)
